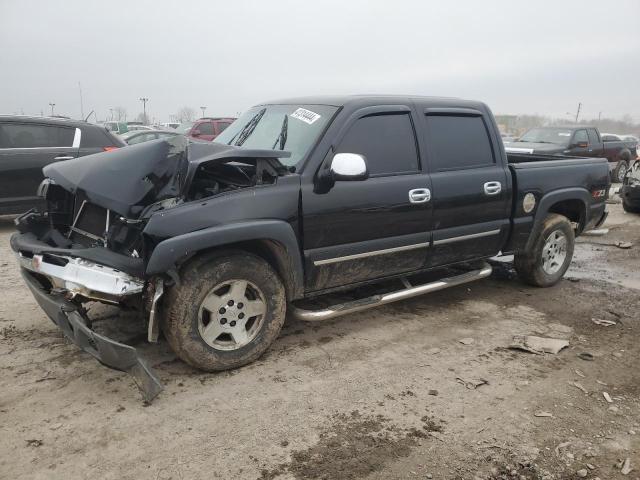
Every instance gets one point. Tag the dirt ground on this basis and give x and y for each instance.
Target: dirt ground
(389, 393)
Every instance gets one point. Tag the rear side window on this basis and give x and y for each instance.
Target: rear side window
(31, 135)
(593, 137)
(96, 138)
(458, 142)
(387, 142)
(205, 128)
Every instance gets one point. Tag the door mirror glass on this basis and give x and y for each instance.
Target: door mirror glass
(349, 167)
(582, 144)
(196, 133)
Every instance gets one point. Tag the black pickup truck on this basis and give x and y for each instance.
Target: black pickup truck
(580, 141)
(216, 242)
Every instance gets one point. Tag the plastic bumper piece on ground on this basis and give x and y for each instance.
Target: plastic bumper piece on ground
(113, 354)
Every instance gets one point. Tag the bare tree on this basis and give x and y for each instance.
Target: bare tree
(120, 113)
(186, 114)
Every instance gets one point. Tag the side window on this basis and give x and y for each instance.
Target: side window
(593, 136)
(580, 137)
(222, 126)
(93, 137)
(458, 142)
(24, 135)
(205, 128)
(387, 142)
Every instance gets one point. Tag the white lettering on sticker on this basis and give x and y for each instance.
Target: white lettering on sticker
(307, 116)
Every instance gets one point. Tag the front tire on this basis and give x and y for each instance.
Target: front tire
(225, 313)
(550, 255)
(629, 208)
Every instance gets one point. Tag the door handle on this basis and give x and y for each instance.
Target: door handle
(64, 157)
(492, 188)
(419, 195)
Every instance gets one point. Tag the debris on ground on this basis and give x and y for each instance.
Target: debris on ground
(625, 467)
(624, 245)
(579, 386)
(586, 356)
(433, 351)
(34, 442)
(579, 373)
(467, 341)
(582, 473)
(561, 446)
(596, 233)
(604, 323)
(433, 392)
(607, 397)
(542, 413)
(538, 345)
(473, 383)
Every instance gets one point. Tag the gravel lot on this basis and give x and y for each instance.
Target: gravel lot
(383, 394)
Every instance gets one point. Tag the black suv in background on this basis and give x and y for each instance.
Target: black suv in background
(27, 144)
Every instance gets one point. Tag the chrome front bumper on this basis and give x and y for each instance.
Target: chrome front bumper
(77, 276)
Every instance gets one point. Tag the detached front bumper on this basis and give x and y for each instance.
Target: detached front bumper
(56, 278)
(74, 324)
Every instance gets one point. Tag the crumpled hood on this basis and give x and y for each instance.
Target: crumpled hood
(129, 179)
(529, 147)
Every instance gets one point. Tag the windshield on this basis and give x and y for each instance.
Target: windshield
(559, 136)
(294, 128)
(184, 127)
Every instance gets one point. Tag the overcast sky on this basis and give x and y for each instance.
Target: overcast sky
(520, 57)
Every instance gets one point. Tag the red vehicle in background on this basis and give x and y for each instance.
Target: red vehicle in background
(206, 128)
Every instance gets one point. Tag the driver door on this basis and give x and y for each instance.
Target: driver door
(373, 228)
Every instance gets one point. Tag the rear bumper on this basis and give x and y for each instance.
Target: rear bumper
(74, 324)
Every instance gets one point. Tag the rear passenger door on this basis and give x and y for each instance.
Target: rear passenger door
(471, 191)
(25, 149)
(363, 230)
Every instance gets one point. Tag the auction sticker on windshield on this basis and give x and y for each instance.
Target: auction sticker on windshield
(307, 116)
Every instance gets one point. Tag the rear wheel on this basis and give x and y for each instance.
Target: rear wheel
(550, 255)
(226, 311)
(620, 171)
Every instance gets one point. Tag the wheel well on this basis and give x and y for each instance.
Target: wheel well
(574, 210)
(274, 253)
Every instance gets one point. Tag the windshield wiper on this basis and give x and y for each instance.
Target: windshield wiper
(282, 136)
(248, 129)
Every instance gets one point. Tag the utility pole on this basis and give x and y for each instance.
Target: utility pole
(111, 111)
(578, 112)
(52, 105)
(599, 116)
(203, 109)
(144, 101)
(81, 108)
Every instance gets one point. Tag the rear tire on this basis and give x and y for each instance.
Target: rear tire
(225, 313)
(550, 255)
(620, 171)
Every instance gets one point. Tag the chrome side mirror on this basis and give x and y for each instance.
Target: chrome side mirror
(349, 167)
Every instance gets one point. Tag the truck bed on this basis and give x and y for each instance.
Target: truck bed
(515, 158)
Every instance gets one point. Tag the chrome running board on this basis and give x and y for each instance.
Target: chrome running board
(377, 300)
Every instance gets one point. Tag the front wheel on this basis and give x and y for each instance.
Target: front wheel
(551, 253)
(629, 208)
(227, 310)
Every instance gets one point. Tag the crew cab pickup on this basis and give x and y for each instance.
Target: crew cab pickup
(216, 242)
(580, 141)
